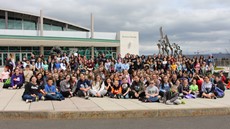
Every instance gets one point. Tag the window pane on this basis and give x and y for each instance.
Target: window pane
(46, 27)
(2, 23)
(29, 25)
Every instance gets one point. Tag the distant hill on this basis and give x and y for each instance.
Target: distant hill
(216, 55)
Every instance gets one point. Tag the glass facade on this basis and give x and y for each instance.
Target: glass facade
(52, 27)
(2, 23)
(25, 51)
(29, 25)
(14, 24)
(108, 51)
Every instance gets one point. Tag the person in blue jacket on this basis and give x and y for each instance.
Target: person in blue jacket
(51, 92)
(83, 86)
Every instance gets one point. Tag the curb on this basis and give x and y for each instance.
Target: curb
(6, 115)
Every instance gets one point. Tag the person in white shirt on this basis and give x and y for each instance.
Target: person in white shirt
(97, 90)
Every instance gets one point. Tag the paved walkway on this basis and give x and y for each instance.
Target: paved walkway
(10, 101)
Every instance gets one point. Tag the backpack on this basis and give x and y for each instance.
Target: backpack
(7, 82)
(219, 92)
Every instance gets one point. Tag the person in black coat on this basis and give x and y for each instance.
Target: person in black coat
(32, 91)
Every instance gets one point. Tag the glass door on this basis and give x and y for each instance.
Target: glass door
(4, 56)
(1, 59)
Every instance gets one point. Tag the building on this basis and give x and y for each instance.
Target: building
(22, 33)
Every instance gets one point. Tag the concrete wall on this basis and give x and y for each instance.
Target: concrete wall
(129, 42)
(74, 34)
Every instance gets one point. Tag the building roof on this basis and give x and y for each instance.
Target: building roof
(57, 38)
(46, 18)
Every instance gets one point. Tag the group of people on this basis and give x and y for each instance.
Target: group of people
(156, 78)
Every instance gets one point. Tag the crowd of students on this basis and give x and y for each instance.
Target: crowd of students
(156, 78)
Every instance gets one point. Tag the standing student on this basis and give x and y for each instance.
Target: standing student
(32, 91)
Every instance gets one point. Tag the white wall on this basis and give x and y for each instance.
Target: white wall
(129, 42)
(73, 34)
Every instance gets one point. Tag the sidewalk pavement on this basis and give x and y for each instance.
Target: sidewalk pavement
(13, 107)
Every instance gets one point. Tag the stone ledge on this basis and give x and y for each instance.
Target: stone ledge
(5, 115)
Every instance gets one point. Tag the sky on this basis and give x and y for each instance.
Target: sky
(196, 25)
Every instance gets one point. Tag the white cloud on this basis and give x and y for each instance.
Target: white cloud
(195, 24)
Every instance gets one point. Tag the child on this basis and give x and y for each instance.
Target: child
(125, 88)
(151, 93)
(51, 92)
(116, 90)
(228, 86)
(5, 75)
(193, 89)
(172, 96)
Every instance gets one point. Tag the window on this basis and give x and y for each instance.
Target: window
(14, 23)
(2, 23)
(29, 25)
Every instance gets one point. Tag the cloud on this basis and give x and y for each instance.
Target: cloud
(193, 24)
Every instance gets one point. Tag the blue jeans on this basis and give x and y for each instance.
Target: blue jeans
(57, 96)
(26, 96)
(153, 99)
(126, 96)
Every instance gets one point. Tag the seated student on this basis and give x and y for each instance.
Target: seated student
(6, 78)
(107, 84)
(184, 89)
(116, 90)
(164, 86)
(207, 89)
(40, 81)
(65, 87)
(219, 87)
(5, 75)
(228, 85)
(16, 80)
(73, 83)
(125, 88)
(27, 73)
(137, 88)
(193, 89)
(151, 93)
(84, 86)
(51, 92)
(172, 96)
(32, 91)
(97, 90)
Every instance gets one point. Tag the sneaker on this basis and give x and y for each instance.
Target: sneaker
(43, 98)
(28, 100)
(182, 102)
(10, 88)
(37, 98)
(86, 97)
